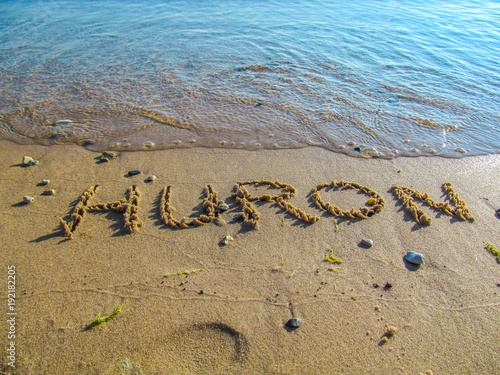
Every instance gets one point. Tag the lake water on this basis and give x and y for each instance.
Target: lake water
(368, 78)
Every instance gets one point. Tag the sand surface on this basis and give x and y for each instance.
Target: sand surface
(229, 316)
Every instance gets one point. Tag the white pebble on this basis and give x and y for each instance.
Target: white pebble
(27, 199)
(227, 239)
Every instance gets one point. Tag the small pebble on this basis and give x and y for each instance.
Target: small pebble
(150, 178)
(45, 182)
(415, 258)
(294, 323)
(133, 172)
(29, 161)
(219, 221)
(223, 207)
(227, 239)
(367, 242)
(27, 199)
(64, 122)
(88, 142)
(108, 155)
(390, 331)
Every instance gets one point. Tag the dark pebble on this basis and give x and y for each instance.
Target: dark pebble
(133, 172)
(88, 142)
(366, 242)
(387, 286)
(294, 323)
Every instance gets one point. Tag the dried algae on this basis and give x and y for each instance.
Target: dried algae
(249, 213)
(211, 205)
(78, 213)
(127, 206)
(406, 195)
(375, 200)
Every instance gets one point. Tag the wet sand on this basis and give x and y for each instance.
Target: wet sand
(228, 314)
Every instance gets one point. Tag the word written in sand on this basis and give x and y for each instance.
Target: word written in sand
(214, 208)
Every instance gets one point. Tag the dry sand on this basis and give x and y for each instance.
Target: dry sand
(230, 318)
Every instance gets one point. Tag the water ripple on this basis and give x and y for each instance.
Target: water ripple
(387, 78)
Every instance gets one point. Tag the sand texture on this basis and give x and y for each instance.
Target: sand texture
(223, 309)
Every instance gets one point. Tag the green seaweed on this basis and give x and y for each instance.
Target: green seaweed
(129, 366)
(179, 273)
(491, 249)
(101, 319)
(330, 258)
(337, 228)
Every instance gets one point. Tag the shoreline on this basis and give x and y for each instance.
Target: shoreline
(230, 317)
(348, 149)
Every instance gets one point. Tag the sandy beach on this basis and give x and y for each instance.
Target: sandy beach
(223, 309)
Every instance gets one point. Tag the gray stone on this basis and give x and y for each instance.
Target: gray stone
(294, 323)
(367, 242)
(108, 155)
(223, 207)
(27, 199)
(415, 258)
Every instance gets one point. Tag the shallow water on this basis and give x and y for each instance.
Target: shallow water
(369, 78)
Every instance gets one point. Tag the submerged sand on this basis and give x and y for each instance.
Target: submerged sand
(227, 315)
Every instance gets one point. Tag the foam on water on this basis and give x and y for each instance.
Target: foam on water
(368, 78)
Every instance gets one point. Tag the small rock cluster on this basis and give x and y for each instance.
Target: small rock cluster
(29, 161)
